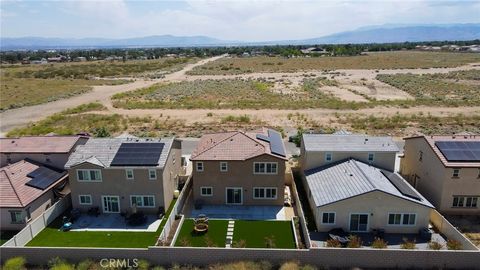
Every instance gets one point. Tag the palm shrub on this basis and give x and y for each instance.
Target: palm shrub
(355, 242)
(454, 244)
(408, 244)
(379, 243)
(333, 243)
(434, 245)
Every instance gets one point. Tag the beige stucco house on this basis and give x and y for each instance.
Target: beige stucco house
(27, 189)
(124, 175)
(239, 168)
(359, 197)
(321, 149)
(52, 151)
(446, 170)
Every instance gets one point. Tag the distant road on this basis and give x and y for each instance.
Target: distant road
(20, 117)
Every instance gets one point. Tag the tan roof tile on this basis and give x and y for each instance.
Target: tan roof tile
(38, 144)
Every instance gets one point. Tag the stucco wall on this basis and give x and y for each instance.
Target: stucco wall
(239, 174)
(37, 207)
(377, 205)
(435, 181)
(311, 160)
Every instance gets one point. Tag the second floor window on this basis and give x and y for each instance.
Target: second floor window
(265, 168)
(17, 217)
(456, 173)
(328, 157)
(465, 201)
(223, 166)
(89, 175)
(199, 166)
(420, 156)
(129, 174)
(371, 157)
(152, 174)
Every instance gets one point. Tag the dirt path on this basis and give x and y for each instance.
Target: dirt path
(102, 93)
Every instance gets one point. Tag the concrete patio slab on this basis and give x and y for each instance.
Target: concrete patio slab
(113, 222)
(241, 212)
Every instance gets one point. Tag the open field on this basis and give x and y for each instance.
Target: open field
(383, 60)
(31, 85)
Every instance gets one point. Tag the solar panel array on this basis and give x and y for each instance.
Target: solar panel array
(263, 138)
(459, 151)
(276, 143)
(43, 177)
(401, 185)
(138, 154)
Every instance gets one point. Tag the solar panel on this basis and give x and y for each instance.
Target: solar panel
(263, 137)
(276, 143)
(401, 185)
(43, 177)
(459, 151)
(138, 154)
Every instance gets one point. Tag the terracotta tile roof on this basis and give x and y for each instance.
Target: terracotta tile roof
(456, 138)
(236, 145)
(13, 189)
(38, 144)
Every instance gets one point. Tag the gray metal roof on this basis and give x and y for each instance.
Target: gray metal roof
(348, 143)
(348, 178)
(101, 151)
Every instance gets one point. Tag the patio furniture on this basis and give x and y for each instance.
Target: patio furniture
(67, 225)
(200, 224)
(340, 235)
(94, 211)
(161, 212)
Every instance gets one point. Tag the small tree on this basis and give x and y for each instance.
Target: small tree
(379, 243)
(354, 242)
(270, 241)
(101, 132)
(434, 245)
(333, 243)
(454, 244)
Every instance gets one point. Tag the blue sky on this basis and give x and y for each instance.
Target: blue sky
(245, 20)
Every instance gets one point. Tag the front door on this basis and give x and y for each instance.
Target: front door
(359, 222)
(234, 196)
(111, 204)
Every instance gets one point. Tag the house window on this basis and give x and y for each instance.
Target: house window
(152, 174)
(328, 218)
(199, 166)
(47, 158)
(146, 201)
(9, 159)
(206, 191)
(371, 157)
(17, 217)
(223, 166)
(264, 193)
(420, 156)
(27, 212)
(265, 167)
(85, 199)
(401, 219)
(465, 201)
(89, 175)
(129, 174)
(328, 157)
(456, 173)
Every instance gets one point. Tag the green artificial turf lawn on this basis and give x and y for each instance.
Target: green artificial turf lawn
(217, 232)
(254, 233)
(52, 237)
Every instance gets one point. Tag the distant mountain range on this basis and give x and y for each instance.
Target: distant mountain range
(370, 34)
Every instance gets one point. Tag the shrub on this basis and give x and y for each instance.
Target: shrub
(184, 242)
(454, 244)
(270, 241)
(408, 244)
(355, 242)
(143, 265)
(240, 244)
(209, 114)
(434, 245)
(85, 265)
(15, 263)
(333, 243)
(379, 243)
(209, 242)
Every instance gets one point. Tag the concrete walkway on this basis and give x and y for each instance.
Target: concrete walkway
(242, 212)
(229, 238)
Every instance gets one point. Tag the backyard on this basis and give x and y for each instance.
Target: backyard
(51, 236)
(247, 234)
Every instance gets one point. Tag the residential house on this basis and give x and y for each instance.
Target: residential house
(239, 168)
(52, 151)
(124, 175)
(317, 150)
(27, 189)
(359, 197)
(446, 170)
